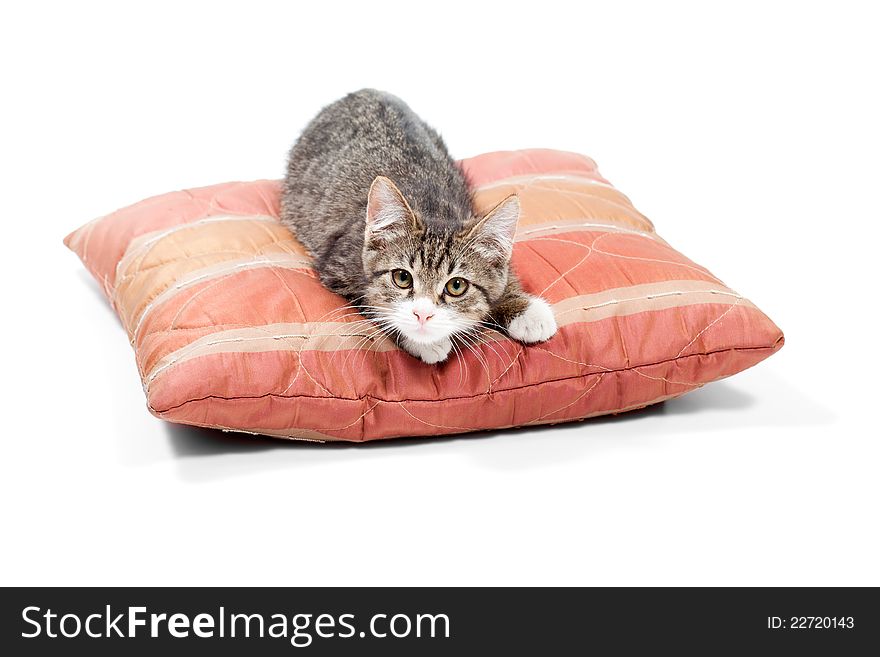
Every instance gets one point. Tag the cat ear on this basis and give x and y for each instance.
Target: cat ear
(493, 234)
(387, 211)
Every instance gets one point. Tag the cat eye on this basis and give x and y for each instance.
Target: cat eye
(456, 286)
(402, 278)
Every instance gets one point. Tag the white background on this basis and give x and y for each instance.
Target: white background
(749, 135)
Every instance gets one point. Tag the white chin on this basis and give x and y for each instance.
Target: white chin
(422, 337)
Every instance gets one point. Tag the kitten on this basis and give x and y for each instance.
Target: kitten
(373, 194)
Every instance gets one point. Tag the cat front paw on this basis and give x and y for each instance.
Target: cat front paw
(430, 353)
(535, 324)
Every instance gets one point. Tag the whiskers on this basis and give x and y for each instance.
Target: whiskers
(360, 331)
(347, 322)
(478, 339)
(379, 328)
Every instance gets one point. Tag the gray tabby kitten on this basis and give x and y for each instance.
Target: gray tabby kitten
(373, 194)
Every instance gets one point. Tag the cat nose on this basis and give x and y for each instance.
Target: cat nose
(423, 315)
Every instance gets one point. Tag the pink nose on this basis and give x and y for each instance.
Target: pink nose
(423, 315)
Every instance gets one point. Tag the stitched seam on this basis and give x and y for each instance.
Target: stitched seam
(475, 396)
(174, 259)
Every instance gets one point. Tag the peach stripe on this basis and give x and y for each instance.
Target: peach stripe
(526, 179)
(575, 224)
(567, 201)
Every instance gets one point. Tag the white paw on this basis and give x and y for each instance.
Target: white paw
(535, 324)
(430, 353)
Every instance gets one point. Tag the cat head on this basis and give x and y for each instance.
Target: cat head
(429, 280)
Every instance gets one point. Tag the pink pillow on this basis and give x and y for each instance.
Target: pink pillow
(232, 329)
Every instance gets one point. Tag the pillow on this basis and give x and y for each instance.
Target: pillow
(232, 329)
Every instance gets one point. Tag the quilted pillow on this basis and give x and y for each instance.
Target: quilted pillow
(232, 329)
